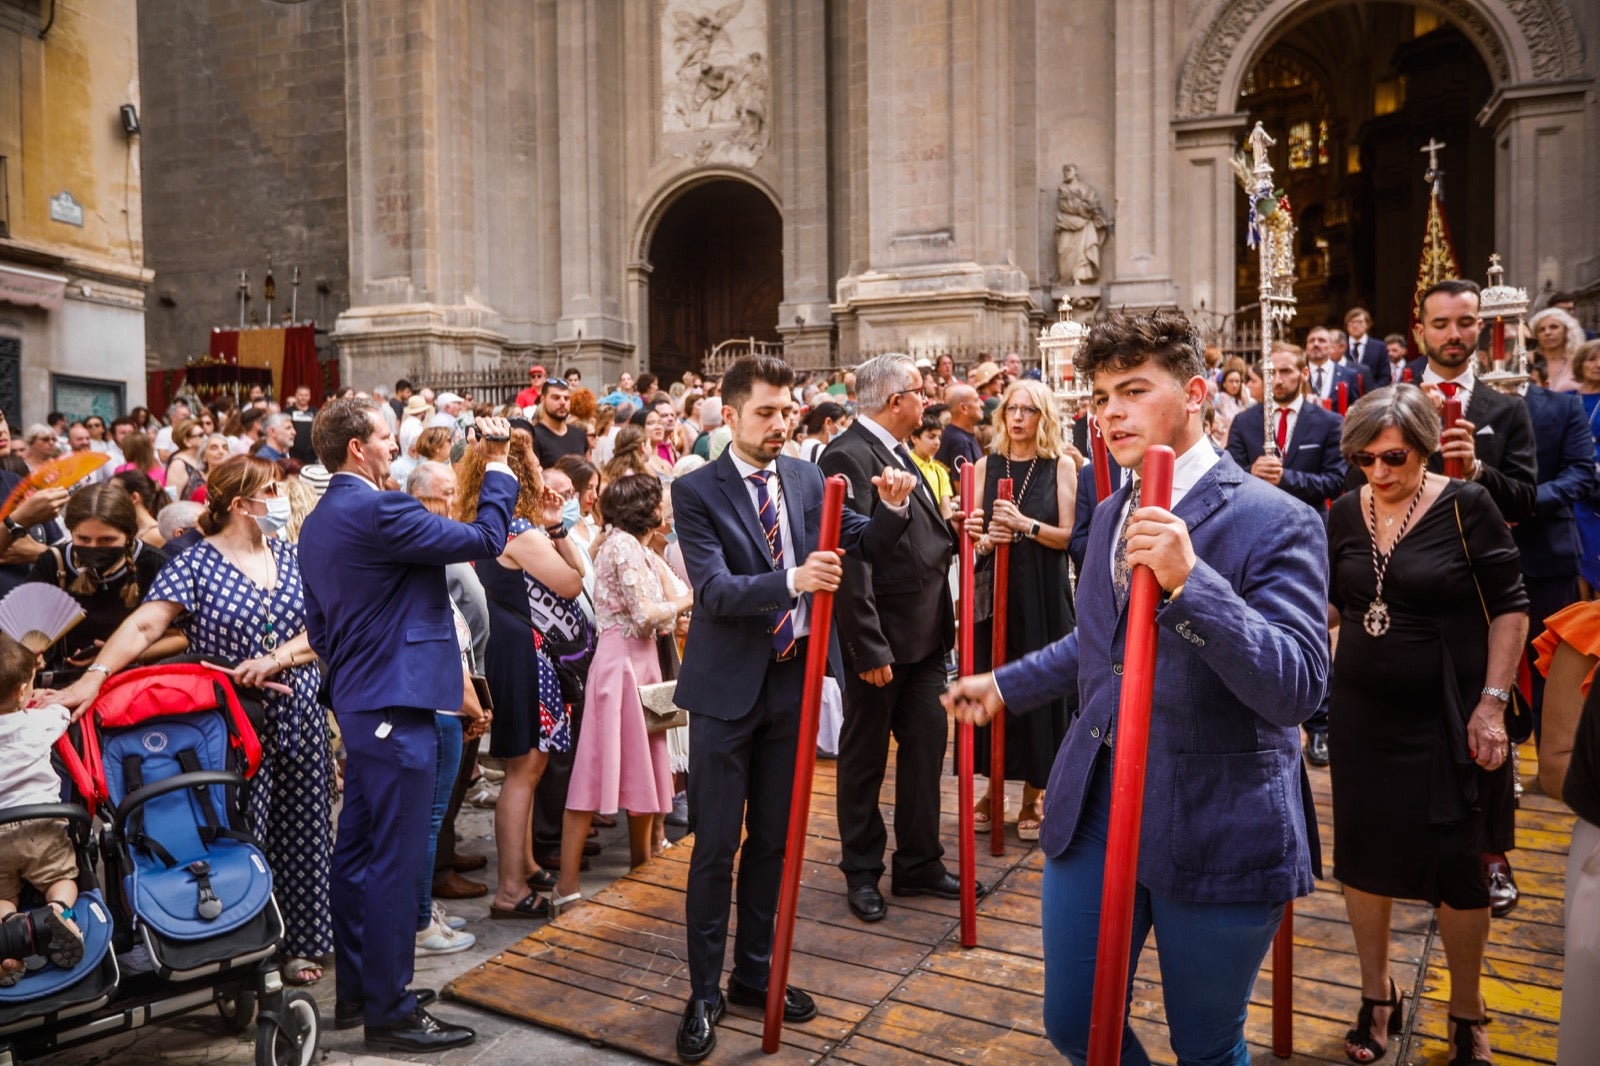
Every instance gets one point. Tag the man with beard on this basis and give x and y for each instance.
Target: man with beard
(1307, 464)
(1495, 443)
(748, 526)
(552, 437)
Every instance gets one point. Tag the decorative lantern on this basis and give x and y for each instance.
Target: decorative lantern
(1504, 307)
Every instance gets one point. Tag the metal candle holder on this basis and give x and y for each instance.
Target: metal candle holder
(1058, 348)
(1503, 305)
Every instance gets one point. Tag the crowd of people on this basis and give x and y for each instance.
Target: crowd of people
(457, 600)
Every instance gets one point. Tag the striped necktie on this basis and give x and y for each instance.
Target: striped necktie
(783, 629)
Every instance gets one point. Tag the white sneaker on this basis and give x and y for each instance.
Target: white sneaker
(448, 921)
(482, 793)
(441, 940)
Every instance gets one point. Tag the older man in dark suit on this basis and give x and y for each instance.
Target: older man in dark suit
(748, 527)
(1229, 829)
(896, 623)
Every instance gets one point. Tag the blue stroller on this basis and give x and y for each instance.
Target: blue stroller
(163, 759)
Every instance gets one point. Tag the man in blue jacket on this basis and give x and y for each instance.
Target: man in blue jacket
(1308, 464)
(378, 614)
(1229, 830)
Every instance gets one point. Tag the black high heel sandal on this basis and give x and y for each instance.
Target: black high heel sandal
(1361, 1035)
(1461, 1037)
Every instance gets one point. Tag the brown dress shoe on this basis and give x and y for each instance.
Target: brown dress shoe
(465, 864)
(451, 885)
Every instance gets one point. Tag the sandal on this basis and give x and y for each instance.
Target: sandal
(559, 903)
(1029, 821)
(533, 908)
(542, 881)
(295, 969)
(1360, 1037)
(980, 813)
(1461, 1037)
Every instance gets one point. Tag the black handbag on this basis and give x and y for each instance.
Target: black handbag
(1519, 716)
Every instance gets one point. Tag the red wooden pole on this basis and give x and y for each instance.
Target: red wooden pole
(1344, 398)
(1452, 415)
(1406, 377)
(805, 764)
(1327, 405)
(1107, 1013)
(997, 656)
(968, 848)
(1101, 458)
(1283, 985)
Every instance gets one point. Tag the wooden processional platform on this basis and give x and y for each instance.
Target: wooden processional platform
(903, 990)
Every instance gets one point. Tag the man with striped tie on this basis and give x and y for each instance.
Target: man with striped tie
(748, 526)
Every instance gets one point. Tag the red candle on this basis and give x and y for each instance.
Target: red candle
(1500, 355)
(1344, 398)
(1102, 460)
(1452, 415)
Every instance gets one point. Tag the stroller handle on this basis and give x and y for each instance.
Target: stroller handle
(29, 812)
(175, 783)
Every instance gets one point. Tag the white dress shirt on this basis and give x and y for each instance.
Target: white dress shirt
(1326, 369)
(798, 614)
(1294, 416)
(1464, 382)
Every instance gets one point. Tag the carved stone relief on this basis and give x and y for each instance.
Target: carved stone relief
(715, 82)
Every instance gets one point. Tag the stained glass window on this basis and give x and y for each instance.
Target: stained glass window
(1301, 146)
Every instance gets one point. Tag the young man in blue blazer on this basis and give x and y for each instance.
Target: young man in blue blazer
(378, 614)
(1308, 465)
(1228, 834)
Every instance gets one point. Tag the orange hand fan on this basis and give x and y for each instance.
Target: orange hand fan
(62, 473)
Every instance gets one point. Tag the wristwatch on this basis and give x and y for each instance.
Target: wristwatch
(97, 668)
(1503, 695)
(1033, 531)
(15, 528)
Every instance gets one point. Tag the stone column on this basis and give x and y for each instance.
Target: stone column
(1141, 272)
(413, 192)
(1545, 213)
(800, 91)
(1205, 198)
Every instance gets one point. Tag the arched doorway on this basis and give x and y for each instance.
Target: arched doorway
(1351, 94)
(716, 261)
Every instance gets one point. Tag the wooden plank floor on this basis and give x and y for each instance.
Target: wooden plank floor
(903, 990)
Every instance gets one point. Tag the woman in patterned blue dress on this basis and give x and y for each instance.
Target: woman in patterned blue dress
(237, 596)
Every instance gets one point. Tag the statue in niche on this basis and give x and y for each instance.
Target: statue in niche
(1081, 223)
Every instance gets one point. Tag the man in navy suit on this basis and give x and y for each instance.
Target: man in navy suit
(1083, 509)
(1308, 465)
(1242, 660)
(378, 614)
(748, 527)
(1324, 374)
(1363, 349)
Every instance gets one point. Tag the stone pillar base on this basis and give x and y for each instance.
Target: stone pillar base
(948, 307)
(808, 347)
(378, 345)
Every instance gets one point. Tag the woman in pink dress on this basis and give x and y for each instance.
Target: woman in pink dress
(619, 764)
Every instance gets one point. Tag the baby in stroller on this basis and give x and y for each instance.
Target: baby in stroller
(37, 852)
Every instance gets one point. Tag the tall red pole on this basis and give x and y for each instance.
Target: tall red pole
(969, 860)
(1344, 398)
(1452, 415)
(1101, 459)
(1283, 985)
(1107, 1013)
(997, 656)
(805, 764)
(1406, 377)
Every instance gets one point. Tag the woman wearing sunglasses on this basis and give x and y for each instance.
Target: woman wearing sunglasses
(1432, 615)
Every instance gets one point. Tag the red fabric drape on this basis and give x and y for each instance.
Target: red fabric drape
(225, 345)
(300, 366)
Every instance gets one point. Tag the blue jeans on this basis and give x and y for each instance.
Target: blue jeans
(1210, 953)
(448, 727)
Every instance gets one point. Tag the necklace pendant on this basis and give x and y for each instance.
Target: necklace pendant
(1376, 620)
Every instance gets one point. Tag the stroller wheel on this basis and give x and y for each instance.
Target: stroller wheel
(288, 1035)
(238, 1010)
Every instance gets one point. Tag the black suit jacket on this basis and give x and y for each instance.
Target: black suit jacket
(1549, 540)
(1313, 466)
(1373, 355)
(897, 610)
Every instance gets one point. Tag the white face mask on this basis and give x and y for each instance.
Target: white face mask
(277, 515)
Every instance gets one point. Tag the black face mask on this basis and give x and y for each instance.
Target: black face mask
(100, 563)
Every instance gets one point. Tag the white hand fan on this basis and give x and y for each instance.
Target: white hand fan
(37, 615)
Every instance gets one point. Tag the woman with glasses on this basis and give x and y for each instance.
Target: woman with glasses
(1431, 615)
(237, 596)
(1037, 524)
(186, 472)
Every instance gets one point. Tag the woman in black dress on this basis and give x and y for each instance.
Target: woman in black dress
(1432, 617)
(1037, 523)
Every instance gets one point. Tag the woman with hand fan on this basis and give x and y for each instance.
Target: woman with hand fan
(238, 597)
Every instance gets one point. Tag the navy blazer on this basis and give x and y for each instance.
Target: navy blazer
(1241, 661)
(1373, 355)
(1313, 466)
(1083, 509)
(738, 590)
(1549, 540)
(1356, 383)
(377, 606)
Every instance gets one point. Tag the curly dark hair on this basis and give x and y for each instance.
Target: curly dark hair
(1122, 341)
(633, 503)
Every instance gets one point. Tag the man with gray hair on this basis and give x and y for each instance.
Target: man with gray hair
(277, 433)
(177, 524)
(896, 624)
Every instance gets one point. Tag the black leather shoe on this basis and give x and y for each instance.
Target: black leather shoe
(347, 1015)
(866, 903)
(797, 1006)
(1317, 747)
(945, 886)
(1503, 894)
(418, 1031)
(697, 1033)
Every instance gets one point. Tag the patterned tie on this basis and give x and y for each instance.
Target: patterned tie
(1120, 571)
(783, 630)
(1283, 428)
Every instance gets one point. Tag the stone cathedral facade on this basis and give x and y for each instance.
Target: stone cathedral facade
(622, 183)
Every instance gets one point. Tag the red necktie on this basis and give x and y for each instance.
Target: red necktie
(1283, 428)
(1449, 388)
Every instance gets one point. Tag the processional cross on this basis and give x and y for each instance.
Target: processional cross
(1434, 174)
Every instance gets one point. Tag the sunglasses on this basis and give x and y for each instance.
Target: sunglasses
(1392, 457)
